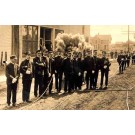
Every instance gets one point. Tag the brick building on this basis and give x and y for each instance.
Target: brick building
(17, 39)
(101, 42)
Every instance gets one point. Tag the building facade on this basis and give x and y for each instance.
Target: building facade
(17, 39)
(101, 42)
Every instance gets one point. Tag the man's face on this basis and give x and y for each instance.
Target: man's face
(103, 55)
(14, 60)
(69, 54)
(95, 54)
(28, 57)
(39, 54)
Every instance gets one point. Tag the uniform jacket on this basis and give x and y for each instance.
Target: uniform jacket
(95, 63)
(120, 58)
(51, 66)
(87, 64)
(10, 73)
(104, 62)
(38, 69)
(23, 68)
(58, 62)
(67, 66)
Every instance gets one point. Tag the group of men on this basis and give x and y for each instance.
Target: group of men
(124, 59)
(46, 66)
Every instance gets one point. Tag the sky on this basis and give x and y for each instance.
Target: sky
(118, 32)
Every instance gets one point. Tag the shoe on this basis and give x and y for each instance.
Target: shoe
(100, 88)
(105, 88)
(28, 101)
(13, 104)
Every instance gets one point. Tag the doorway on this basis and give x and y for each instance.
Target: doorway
(46, 38)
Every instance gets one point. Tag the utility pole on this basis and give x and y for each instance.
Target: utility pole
(128, 39)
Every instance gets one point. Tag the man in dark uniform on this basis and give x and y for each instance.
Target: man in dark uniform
(77, 72)
(12, 74)
(95, 69)
(104, 67)
(26, 68)
(51, 71)
(58, 61)
(87, 67)
(46, 70)
(120, 61)
(128, 59)
(125, 60)
(38, 64)
(133, 58)
(80, 70)
(68, 71)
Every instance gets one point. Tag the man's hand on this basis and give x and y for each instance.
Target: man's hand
(105, 67)
(93, 71)
(79, 74)
(28, 72)
(14, 80)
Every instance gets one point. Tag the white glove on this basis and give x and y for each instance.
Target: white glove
(93, 71)
(14, 80)
(49, 74)
(55, 71)
(105, 67)
(85, 72)
(28, 72)
(79, 74)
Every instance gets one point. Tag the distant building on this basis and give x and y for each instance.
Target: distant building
(17, 39)
(101, 42)
(118, 46)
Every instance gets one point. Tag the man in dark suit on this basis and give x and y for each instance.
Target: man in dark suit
(87, 67)
(104, 67)
(51, 71)
(133, 58)
(38, 64)
(95, 69)
(12, 74)
(120, 61)
(68, 72)
(26, 68)
(46, 71)
(58, 61)
(128, 59)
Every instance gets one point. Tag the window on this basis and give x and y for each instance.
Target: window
(30, 39)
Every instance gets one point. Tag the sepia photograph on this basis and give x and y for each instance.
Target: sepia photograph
(67, 67)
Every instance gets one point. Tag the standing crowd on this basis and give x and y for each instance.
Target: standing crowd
(70, 71)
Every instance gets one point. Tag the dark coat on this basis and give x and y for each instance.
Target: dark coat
(23, 68)
(120, 58)
(87, 64)
(104, 62)
(95, 63)
(38, 69)
(58, 62)
(10, 74)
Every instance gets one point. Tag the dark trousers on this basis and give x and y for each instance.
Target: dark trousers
(125, 64)
(88, 80)
(104, 73)
(121, 67)
(26, 89)
(50, 80)
(11, 91)
(78, 81)
(94, 78)
(128, 63)
(58, 81)
(68, 82)
(133, 61)
(38, 83)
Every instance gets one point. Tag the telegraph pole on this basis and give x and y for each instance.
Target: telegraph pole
(128, 39)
